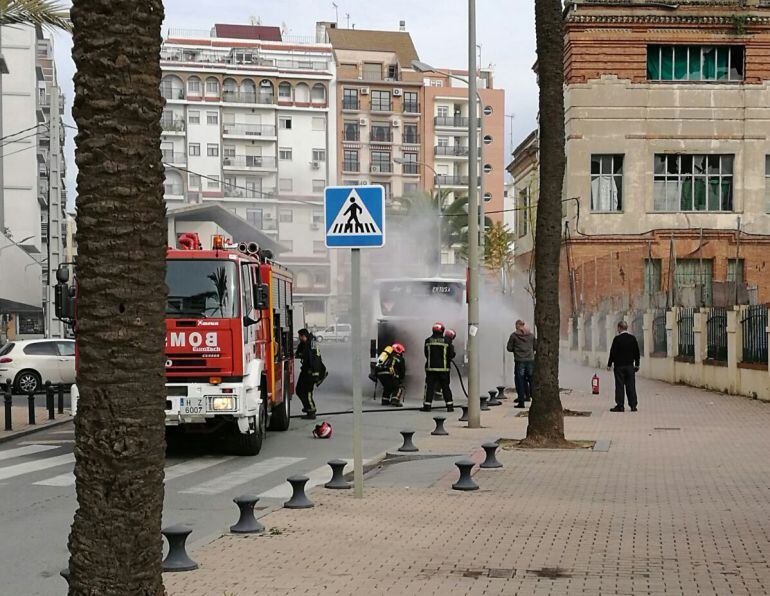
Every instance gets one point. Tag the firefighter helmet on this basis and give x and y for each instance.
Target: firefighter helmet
(398, 348)
(438, 327)
(450, 334)
(323, 431)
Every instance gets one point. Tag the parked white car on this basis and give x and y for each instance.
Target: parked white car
(30, 363)
(338, 332)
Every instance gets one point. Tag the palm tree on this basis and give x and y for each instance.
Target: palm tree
(455, 230)
(115, 541)
(42, 13)
(546, 416)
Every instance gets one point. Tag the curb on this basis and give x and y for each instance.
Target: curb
(36, 428)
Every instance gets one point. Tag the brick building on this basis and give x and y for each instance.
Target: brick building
(667, 188)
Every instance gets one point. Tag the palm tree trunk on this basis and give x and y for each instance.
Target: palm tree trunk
(115, 542)
(546, 417)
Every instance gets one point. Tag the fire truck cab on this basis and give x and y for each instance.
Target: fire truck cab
(229, 356)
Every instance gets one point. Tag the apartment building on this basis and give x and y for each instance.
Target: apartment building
(250, 124)
(668, 175)
(32, 230)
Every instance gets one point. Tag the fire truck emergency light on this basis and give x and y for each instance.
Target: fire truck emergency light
(218, 243)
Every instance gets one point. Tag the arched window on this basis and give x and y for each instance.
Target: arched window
(266, 92)
(302, 93)
(248, 91)
(212, 87)
(171, 87)
(284, 91)
(318, 95)
(194, 87)
(229, 89)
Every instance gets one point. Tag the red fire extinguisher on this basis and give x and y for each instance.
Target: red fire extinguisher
(595, 384)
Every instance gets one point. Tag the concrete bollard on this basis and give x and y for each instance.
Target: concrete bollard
(465, 482)
(60, 399)
(177, 558)
(49, 403)
(484, 404)
(493, 401)
(8, 404)
(501, 392)
(298, 499)
(338, 470)
(408, 445)
(464, 417)
(31, 408)
(439, 430)
(491, 460)
(247, 523)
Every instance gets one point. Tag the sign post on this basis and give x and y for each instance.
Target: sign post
(355, 219)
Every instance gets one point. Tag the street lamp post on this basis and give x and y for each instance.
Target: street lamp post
(402, 161)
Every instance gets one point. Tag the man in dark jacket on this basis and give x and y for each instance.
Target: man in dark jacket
(624, 354)
(523, 344)
(308, 375)
(439, 353)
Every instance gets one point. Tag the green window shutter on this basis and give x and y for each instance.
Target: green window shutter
(680, 63)
(667, 63)
(709, 64)
(653, 63)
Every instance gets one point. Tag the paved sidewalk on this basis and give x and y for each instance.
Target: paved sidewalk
(20, 420)
(678, 505)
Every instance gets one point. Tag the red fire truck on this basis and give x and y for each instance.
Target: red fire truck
(229, 356)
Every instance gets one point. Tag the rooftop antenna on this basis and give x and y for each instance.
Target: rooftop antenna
(511, 118)
(336, 12)
(255, 20)
(347, 16)
(284, 28)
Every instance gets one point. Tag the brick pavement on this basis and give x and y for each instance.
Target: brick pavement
(20, 419)
(678, 505)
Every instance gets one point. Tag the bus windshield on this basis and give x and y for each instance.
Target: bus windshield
(199, 289)
(419, 298)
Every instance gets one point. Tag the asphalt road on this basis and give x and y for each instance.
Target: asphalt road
(38, 493)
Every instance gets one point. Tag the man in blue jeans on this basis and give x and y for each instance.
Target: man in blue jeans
(522, 344)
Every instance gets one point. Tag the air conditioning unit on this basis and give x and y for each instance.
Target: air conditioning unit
(397, 92)
(375, 169)
(315, 165)
(364, 90)
(396, 123)
(363, 122)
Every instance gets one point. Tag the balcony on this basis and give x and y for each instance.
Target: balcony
(172, 125)
(452, 151)
(247, 97)
(173, 191)
(411, 107)
(249, 162)
(248, 130)
(349, 104)
(352, 137)
(172, 94)
(451, 122)
(410, 169)
(381, 136)
(381, 168)
(248, 193)
(352, 167)
(447, 180)
(44, 101)
(174, 158)
(410, 139)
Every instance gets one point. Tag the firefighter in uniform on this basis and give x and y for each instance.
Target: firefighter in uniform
(438, 354)
(391, 371)
(308, 376)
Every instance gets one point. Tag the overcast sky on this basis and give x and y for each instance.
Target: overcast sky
(505, 30)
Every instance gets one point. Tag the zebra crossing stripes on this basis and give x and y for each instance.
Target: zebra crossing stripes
(36, 466)
(194, 465)
(363, 228)
(242, 476)
(22, 451)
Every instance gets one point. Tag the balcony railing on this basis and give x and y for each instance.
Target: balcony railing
(249, 130)
(351, 166)
(411, 107)
(446, 180)
(44, 100)
(172, 93)
(174, 157)
(452, 121)
(381, 136)
(379, 106)
(352, 137)
(381, 168)
(350, 104)
(248, 193)
(411, 139)
(249, 161)
(173, 189)
(172, 125)
(451, 150)
(247, 97)
(411, 169)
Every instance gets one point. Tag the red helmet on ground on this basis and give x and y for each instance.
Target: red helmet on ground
(323, 431)
(438, 327)
(398, 348)
(450, 334)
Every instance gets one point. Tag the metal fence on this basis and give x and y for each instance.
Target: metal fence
(637, 329)
(754, 327)
(686, 327)
(574, 345)
(716, 335)
(588, 334)
(659, 339)
(601, 323)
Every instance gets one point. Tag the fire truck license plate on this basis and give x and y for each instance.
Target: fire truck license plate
(192, 406)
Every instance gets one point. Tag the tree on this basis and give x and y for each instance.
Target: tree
(115, 541)
(546, 416)
(498, 250)
(43, 13)
(455, 230)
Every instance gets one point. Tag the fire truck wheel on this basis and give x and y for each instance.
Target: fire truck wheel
(251, 444)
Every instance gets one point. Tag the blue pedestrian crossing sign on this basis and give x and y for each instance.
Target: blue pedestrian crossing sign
(355, 216)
